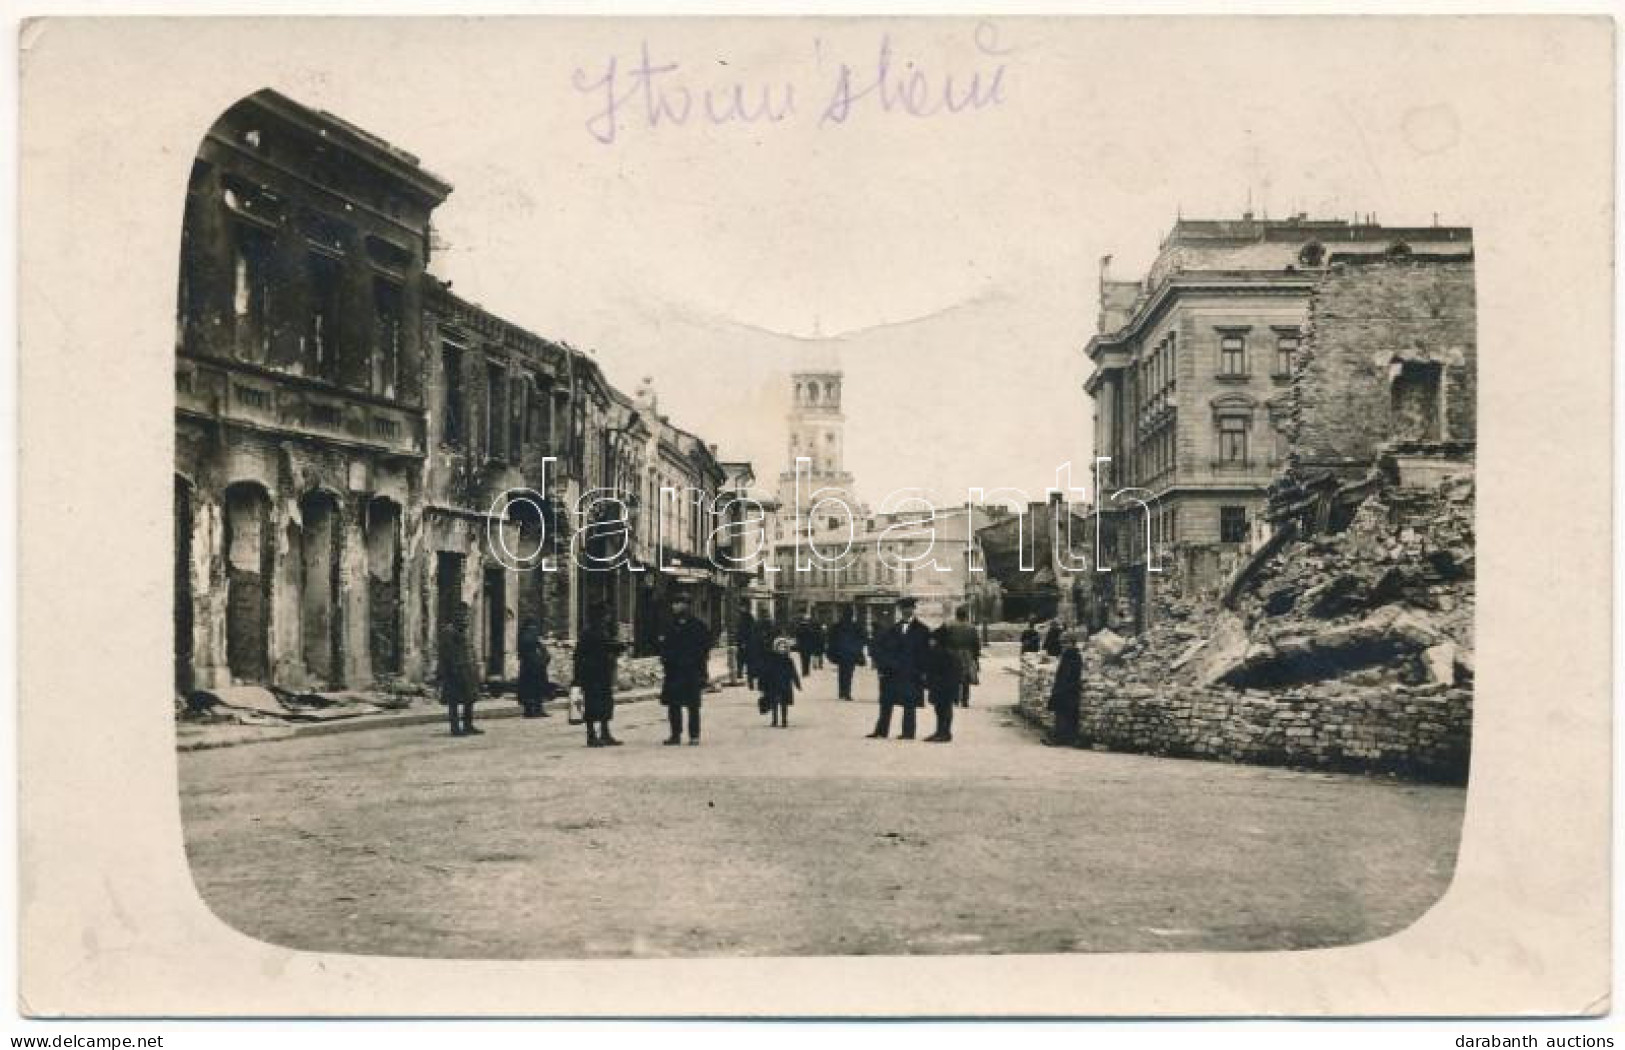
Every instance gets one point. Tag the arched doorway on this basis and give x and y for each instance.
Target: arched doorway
(383, 529)
(183, 586)
(248, 572)
(318, 585)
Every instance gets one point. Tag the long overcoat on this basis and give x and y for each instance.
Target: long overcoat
(685, 653)
(900, 657)
(778, 678)
(962, 640)
(459, 677)
(597, 657)
(1065, 693)
(846, 642)
(533, 661)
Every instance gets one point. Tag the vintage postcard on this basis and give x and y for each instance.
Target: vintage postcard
(705, 516)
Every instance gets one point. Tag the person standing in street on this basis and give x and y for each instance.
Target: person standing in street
(1065, 694)
(820, 643)
(779, 682)
(685, 651)
(805, 643)
(533, 661)
(846, 642)
(459, 677)
(944, 675)
(966, 646)
(597, 659)
(1030, 640)
(900, 656)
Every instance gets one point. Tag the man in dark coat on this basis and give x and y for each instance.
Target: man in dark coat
(597, 659)
(846, 642)
(1065, 694)
(962, 641)
(1030, 640)
(943, 676)
(685, 653)
(533, 660)
(459, 676)
(806, 644)
(744, 638)
(900, 657)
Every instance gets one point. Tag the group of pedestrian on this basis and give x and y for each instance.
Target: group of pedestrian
(685, 653)
(915, 664)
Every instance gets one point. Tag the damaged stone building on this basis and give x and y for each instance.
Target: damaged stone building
(1389, 368)
(1191, 370)
(301, 429)
(499, 407)
(345, 426)
(1343, 637)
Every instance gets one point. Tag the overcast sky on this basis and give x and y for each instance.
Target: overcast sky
(950, 261)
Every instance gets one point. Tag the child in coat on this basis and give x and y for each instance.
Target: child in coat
(779, 680)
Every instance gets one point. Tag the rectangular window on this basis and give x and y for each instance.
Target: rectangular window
(321, 332)
(1233, 440)
(549, 413)
(516, 416)
(251, 293)
(1286, 352)
(1232, 524)
(496, 390)
(451, 379)
(1232, 354)
(387, 325)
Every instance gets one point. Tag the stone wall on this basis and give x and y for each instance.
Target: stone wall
(1420, 732)
(1365, 320)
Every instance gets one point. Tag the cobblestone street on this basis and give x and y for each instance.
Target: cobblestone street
(522, 843)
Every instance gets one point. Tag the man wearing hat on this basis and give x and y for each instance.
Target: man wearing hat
(685, 653)
(459, 677)
(901, 652)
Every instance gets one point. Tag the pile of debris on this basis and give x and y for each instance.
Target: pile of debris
(258, 705)
(1387, 601)
(1346, 650)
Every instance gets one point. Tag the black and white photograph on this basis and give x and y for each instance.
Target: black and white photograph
(705, 489)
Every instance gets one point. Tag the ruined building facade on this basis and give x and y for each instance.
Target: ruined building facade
(1389, 366)
(1192, 368)
(301, 429)
(345, 426)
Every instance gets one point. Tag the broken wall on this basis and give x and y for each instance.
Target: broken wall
(1378, 332)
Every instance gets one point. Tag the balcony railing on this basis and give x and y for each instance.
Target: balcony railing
(260, 399)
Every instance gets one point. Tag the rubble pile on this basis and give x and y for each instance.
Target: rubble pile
(1346, 650)
(254, 705)
(1388, 601)
(269, 706)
